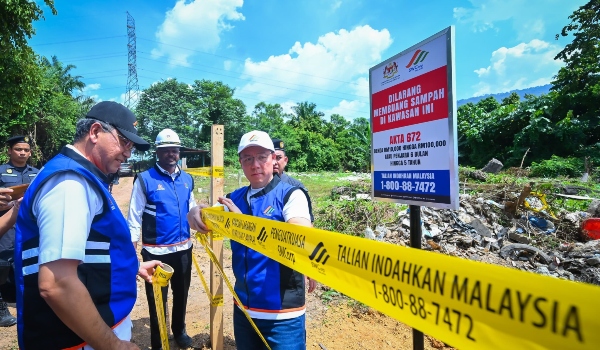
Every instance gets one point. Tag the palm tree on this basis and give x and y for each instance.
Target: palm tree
(67, 83)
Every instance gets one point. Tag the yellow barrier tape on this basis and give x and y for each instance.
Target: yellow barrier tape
(467, 304)
(216, 172)
(160, 279)
(203, 239)
(201, 275)
(217, 300)
(216, 236)
(205, 171)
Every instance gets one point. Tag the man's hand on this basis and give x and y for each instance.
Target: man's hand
(147, 269)
(230, 205)
(127, 345)
(194, 217)
(312, 284)
(6, 201)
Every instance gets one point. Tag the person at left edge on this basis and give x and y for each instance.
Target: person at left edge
(15, 172)
(74, 263)
(160, 200)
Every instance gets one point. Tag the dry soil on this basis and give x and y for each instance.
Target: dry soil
(335, 324)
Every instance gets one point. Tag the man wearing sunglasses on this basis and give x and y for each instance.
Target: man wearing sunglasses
(75, 265)
(160, 200)
(272, 293)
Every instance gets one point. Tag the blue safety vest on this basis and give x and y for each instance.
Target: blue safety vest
(164, 221)
(261, 283)
(108, 271)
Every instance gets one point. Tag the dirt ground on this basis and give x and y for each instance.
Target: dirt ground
(334, 325)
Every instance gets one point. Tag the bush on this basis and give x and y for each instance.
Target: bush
(557, 166)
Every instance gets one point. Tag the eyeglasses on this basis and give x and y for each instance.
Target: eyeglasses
(127, 143)
(262, 159)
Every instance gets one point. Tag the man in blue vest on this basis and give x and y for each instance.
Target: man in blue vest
(271, 293)
(160, 201)
(15, 172)
(74, 263)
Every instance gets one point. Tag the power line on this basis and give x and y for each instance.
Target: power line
(237, 93)
(250, 75)
(81, 40)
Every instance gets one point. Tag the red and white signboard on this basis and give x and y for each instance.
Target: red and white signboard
(413, 108)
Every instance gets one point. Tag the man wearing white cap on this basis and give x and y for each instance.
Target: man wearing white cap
(272, 293)
(160, 199)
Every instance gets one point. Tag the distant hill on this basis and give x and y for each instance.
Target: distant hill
(536, 90)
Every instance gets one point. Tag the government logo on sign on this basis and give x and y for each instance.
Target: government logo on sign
(390, 70)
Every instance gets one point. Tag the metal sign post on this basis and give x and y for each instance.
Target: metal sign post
(415, 242)
(414, 149)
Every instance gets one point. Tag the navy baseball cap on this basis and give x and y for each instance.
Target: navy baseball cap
(18, 139)
(278, 144)
(121, 118)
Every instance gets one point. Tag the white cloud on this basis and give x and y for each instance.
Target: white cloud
(336, 64)
(527, 16)
(287, 106)
(195, 25)
(519, 67)
(227, 64)
(336, 5)
(90, 87)
(350, 109)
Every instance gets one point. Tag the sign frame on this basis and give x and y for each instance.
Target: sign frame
(452, 145)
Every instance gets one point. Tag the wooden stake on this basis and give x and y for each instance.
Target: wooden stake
(217, 185)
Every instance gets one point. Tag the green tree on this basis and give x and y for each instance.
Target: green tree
(20, 75)
(66, 82)
(306, 117)
(174, 105)
(578, 83)
(512, 99)
(218, 106)
(269, 118)
(51, 121)
(488, 104)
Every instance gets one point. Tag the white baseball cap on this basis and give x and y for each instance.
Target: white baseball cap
(256, 138)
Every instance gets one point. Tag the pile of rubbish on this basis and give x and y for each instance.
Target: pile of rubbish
(505, 225)
(483, 230)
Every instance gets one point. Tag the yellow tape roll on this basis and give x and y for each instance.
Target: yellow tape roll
(160, 279)
(467, 304)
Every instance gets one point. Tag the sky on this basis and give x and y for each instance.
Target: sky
(290, 51)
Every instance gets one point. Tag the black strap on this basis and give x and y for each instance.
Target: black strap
(142, 183)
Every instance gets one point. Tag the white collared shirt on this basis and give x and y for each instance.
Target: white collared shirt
(134, 218)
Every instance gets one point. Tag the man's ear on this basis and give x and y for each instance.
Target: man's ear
(95, 130)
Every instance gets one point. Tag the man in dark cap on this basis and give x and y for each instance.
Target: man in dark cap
(75, 265)
(15, 172)
(281, 161)
(279, 165)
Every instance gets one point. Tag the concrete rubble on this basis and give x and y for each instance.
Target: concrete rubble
(481, 230)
